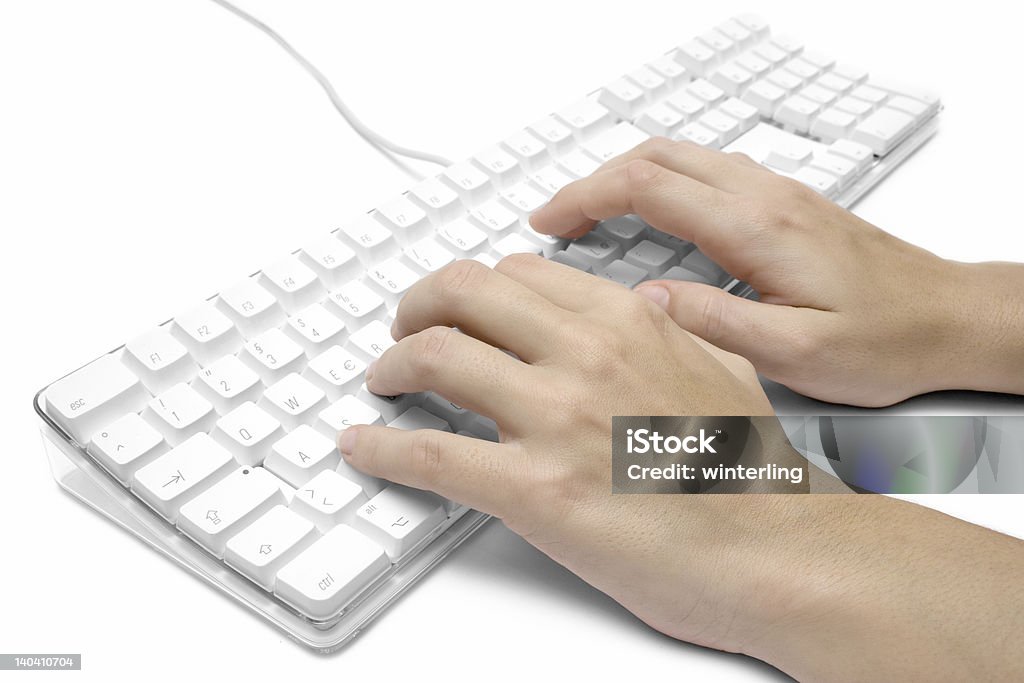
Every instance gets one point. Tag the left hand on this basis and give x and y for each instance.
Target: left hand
(585, 349)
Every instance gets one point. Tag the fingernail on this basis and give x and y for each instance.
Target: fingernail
(655, 293)
(347, 441)
(369, 370)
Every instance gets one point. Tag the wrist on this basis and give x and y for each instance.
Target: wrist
(983, 347)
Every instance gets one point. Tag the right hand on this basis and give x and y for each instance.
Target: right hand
(847, 312)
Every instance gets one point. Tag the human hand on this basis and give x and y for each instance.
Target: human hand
(847, 313)
(586, 349)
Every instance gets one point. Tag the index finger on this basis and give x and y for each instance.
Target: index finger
(671, 202)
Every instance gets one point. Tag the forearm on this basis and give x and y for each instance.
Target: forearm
(985, 351)
(871, 588)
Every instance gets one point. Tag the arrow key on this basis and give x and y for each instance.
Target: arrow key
(269, 543)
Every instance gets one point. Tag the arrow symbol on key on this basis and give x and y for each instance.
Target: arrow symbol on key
(212, 516)
(265, 549)
(174, 480)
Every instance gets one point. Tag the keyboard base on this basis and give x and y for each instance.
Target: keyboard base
(81, 478)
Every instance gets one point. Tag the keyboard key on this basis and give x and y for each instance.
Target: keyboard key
(869, 94)
(336, 372)
(697, 57)
(820, 181)
(495, 218)
(356, 304)
(251, 307)
(851, 73)
(596, 250)
(94, 396)
(816, 93)
(181, 474)
(835, 83)
(549, 244)
(344, 413)
(797, 113)
(471, 183)
(368, 237)
(737, 33)
(652, 258)
(272, 355)
(613, 142)
(586, 118)
(418, 418)
(549, 180)
(624, 97)
(803, 69)
(515, 244)
(882, 130)
(293, 284)
(652, 83)
(623, 273)
(334, 262)
(854, 151)
(671, 70)
(502, 167)
(213, 516)
(660, 119)
(684, 275)
(577, 164)
(315, 330)
(787, 80)
(745, 114)
(391, 279)
(833, 124)
(455, 416)
(698, 134)
(843, 169)
(126, 445)
(227, 384)
(571, 260)
(787, 44)
(706, 92)
(269, 543)
(440, 202)
(523, 199)
(771, 53)
(718, 42)
(207, 333)
(328, 574)
(179, 412)
(686, 104)
(732, 78)
(300, 455)
(399, 517)
(765, 96)
(407, 222)
(627, 231)
(248, 432)
(698, 263)
(555, 135)
(328, 499)
(754, 24)
(757, 66)
(293, 401)
(789, 155)
(159, 360)
(915, 108)
(851, 105)
(725, 127)
(427, 256)
(389, 407)
(462, 238)
(527, 149)
(371, 341)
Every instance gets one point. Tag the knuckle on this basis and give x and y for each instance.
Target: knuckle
(431, 346)
(426, 453)
(640, 174)
(459, 278)
(711, 318)
(517, 263)
(655, 146)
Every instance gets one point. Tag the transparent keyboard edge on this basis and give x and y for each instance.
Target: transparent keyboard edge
(83, 478)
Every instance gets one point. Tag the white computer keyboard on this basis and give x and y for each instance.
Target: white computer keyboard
(211, 436)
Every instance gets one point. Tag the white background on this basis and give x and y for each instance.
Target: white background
(151, 152)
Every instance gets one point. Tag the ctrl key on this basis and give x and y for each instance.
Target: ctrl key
(331, 572)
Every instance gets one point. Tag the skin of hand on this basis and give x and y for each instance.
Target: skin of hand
(847, 313)
(804, 582)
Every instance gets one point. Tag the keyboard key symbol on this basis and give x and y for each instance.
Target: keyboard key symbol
(401, 521)
(212, 516)
(266, 549)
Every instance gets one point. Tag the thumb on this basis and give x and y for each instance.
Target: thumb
(757, 331)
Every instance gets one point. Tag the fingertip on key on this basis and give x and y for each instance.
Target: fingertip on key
(347, 441)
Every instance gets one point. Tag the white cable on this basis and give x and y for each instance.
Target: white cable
(371, 136)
